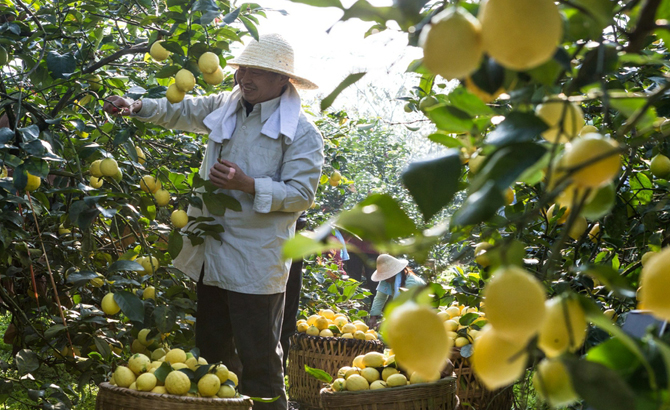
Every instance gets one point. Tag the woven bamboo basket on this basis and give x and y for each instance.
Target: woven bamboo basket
(118, 398)
(439, 395)
(326, 353)
(471, 391)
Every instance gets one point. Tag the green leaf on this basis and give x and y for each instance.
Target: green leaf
(663, 348)
(599, 386)
(130, 305)
(610, 278)
(445, 139)
(615, 355)
(319, 374)
(202, 370)
(125, 265)
(61, 65)
(167, 71)
(26, 361)
(479, 206)
(506, 164)
(351, 79)
(209, 11)
(469, 103)
(175, 243)
(165, 318)
(321, 3)
(250, 26)
(378, 218)
(162, 372)
(433, 183)
(218, 203)
(450, 119)
(517, 127)
(302, 245)
(631, 107)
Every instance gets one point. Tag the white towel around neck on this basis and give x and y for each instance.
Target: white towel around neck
(283, 121)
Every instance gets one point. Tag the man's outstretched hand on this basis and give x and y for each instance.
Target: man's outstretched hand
(121, 106)
(228, 175)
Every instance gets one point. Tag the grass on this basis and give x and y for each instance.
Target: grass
(19, 398)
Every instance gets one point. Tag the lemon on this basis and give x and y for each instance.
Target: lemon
(141, 158)
(157, 51)
(340, 321)
(660, 166)
(396, 380)
(388, 371)
(356, 382)
(476, 162)
(590, 154)
(452, 43)
(208, 62)
(520, 34)
(312, 319)
(138, 363)
(564, 118)
(358, 361)
(416, 378)
(302, 327)
(175, 356)
(94, 169)
(552, 383)
(369, 336)
(321, 323)
(655, 285)
(232, 376)
(509, 196)
(159, 390)
(646, 257)
(94, 82)
(95, 182)
(483, 95)
(177, 383)
(349, 328)
(222, 373)
(378, 384)
(361, 326)
(215, 78)
(418, 338)
(373, 359)
(179, 218)
(588, 129)
(461, 341)
(594, 233)
(578, 227)
(564, 328)
(351, 371)
(142, 337)
(481, 258)
(149, 184)
(562, 219)
(149, 293)
(454, 310)
(133, 386)
(514, 303)
(174, 94)
(312, 331)
(609, 313)
(123, 376)
(209, 385)
(137, 347)
(226, 391)
(371, 374)
(162, 197)
(179, 366)
(146, 382)
(109, 305)
(185, 80)
(150, 264)
(327, 313)
(33, 182)
(342, 371)
(109, 167)
(326, 333)
(497, 361)
(157, 354)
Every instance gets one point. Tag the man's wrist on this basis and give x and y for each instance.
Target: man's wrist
(136, 107)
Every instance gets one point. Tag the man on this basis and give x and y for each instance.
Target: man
(264, 152)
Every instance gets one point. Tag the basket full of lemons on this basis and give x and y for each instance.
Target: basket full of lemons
(374, 381)
(170, 380)
(326, 341)
(464, 325)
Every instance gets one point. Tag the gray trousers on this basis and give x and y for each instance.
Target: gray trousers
(243, 331)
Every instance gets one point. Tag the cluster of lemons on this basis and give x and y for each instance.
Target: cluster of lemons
(140, 374)
(373, 371)
(518, 34)
(500, 350)
(330, 324)
(184, 80)
(462, 334)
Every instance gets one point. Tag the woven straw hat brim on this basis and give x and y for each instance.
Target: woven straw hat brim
(299, 82)
(390, 269)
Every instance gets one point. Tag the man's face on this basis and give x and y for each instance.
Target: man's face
(259, 85)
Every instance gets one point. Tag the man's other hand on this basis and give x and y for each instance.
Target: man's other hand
(117, 105)
(227, 175)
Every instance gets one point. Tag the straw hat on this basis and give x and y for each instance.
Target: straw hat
(388, 267)
(272, 53)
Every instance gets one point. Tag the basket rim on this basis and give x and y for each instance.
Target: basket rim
(444, 380)
(337, 339)
(173, 397)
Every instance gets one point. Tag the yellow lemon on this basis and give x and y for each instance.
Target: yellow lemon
(179, 218)
(177, 382)
(321, 323)
(578, 227)
(95, 182)
(109, 167)
(208, 62)
(497, 361)
(358, 361)
(646, 257)
(655, 285)
(326, 333)
(149, 293)
(222, 373)
(123, 376)
(371, 374)
(564, 118)
(312, 330)
(226, 391)
(232, 376)
(388, 371)
(520, 34)
(349, 328)
(562, 219)
(514, 303)
(162, 197)
(327, 313)
(215, 78)
(175, 356)
(552, 383)
(174, 94)
(138, 363)
(339, 384)
(94, 169)
(660, 166)
(373, 359)
(452, 44)
(149, 184)
(418, 338)
(597, 158)
(564, 328)
(159, 390)
(209, 385)
(157, 51)
(356, 382)
(185, 80)
(397, 379)
(150, 264)
(146, 382)
(141, 158)
(109, 305)
(302, 327)
(378, 384)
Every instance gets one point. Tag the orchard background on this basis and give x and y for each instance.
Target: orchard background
(64, 245)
